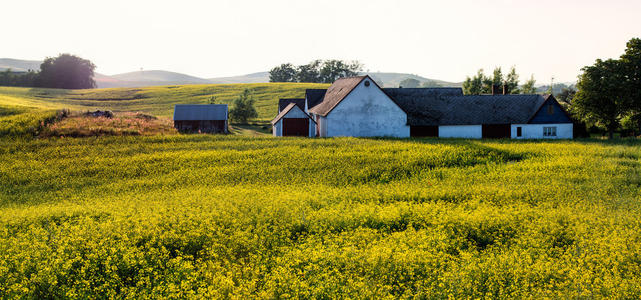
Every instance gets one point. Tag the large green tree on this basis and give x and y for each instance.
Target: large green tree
(283, 73)
(600, 98)
(512, 81)
(334, 69)
(243, 109)
(309, 72)
(67, 72)
(631, 64)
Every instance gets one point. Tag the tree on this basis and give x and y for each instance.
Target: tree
(566, 95)
(430, 84)
(67, 72)
(600, 96)
(474, 85)
(243, 107)
(512, 82)
(212, 100)
(309, 72)
(631, 65)
(283, 73)
(409, 83)
(333, 69)
(528, 87)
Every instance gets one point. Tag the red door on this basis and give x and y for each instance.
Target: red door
(295, 127)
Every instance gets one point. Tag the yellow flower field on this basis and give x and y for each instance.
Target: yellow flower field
(228, 216)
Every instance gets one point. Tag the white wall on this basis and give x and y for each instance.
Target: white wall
(366, 111)
(277, 129)
(535, 131)
(461, 131)
(322, 125)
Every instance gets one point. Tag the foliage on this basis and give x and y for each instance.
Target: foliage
(430, 84)
(228, 217)
(482, 84)
(212, 100)
(67, 72)
(566, 95)
(474, 85)
(528, 87)
(631, 64)
(283, 73)
(600, 97)
(158, 100)
(243, 109)
(80, 125)
(10, 78)
(319, 71)
(409, 83)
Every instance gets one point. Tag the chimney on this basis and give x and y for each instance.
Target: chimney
(505, 89)
(496, 90)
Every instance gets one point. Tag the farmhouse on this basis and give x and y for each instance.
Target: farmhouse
(209, 118)
(357, 106)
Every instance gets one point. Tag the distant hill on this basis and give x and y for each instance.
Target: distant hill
(19, 65)
(394, 79)
(259, 77)
(160, 77)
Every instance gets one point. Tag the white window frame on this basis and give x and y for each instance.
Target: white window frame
(549, 131)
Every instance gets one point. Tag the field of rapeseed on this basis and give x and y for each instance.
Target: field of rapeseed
(224, 216)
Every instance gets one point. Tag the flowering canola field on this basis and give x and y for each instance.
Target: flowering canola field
(190, 216)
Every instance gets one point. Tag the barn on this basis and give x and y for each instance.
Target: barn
(357, 106)
(206, 118)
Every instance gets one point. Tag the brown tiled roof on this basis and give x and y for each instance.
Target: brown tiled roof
(336, 93)
(285, 111)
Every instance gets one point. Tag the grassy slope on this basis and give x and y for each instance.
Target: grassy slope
(157, 101)
(215, 216)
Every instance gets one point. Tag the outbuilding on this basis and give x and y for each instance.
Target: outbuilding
(205, 118)
(293, 121)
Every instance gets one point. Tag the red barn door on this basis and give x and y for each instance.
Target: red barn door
(295, 127)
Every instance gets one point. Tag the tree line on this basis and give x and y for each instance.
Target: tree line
(482, 84)
(317, 71)
(65, 72)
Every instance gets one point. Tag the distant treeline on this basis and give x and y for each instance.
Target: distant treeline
(65, 72)
(317, 71)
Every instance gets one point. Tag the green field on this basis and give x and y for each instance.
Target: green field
(229, 216)
(157, 101)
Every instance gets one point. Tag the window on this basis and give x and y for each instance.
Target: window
(366, 82)
(549, 131)
(551, 109)
(519, 131)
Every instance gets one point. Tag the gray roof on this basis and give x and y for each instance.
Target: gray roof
(199, 112)
(314, 96)
(282, 103)
(432, 107)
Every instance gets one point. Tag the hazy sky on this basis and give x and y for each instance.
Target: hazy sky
(437, 39)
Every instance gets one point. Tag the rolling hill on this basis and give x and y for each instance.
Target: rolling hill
(161, 77)
(157, 100)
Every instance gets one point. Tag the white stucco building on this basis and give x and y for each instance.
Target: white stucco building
(357, 106)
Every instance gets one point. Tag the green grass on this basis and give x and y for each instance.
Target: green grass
(227, 216)
(157, 101)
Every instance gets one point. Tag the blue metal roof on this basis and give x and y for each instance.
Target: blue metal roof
(200, 112)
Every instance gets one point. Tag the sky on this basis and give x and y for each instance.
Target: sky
(445, 40)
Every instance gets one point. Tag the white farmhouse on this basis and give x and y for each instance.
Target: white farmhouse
(357, 106)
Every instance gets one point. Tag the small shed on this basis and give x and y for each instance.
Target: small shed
(293, 121)
(207, 118)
